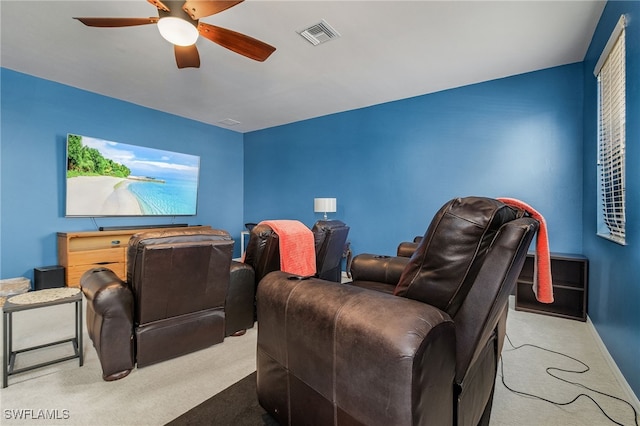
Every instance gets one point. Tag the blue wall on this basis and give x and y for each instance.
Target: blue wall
(37, 115)
(391, 166)
(614, 293)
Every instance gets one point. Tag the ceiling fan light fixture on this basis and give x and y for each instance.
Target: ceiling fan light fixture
(177, 31)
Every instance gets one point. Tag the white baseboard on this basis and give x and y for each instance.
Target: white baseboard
(631, 396)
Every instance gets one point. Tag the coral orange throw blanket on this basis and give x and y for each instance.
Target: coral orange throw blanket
(297, 246)
(542, 281)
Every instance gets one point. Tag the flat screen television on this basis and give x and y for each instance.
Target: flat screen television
(106, 178)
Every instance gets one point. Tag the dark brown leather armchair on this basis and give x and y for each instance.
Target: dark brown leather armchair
(183, 293)
(330, 236)
(413, 341)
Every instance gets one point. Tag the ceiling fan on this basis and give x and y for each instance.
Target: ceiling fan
(178, 22)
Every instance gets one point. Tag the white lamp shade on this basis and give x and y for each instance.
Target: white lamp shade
(324, 205)
(177, 31)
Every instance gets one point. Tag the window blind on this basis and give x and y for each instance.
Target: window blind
(611, 78)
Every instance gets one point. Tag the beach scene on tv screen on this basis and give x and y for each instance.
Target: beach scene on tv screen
(106, 178)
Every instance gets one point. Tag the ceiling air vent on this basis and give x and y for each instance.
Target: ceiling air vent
(319, 33)
(228, 122)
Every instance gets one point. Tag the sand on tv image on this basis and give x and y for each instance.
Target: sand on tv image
(106, 178)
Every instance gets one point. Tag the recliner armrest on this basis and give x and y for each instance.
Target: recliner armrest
(109, 314)
(382, 269)
(240, 303)
(106, 292)
(406, 248)
(322, 333)
(241, 272)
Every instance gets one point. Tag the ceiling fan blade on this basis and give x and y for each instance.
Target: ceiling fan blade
(239, 43)
(159, 5)
(187, 56)
(116, 22)
(199, 9)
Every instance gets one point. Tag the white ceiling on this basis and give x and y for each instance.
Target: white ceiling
(388, 50)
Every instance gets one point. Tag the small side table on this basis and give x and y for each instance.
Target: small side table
(34, 300)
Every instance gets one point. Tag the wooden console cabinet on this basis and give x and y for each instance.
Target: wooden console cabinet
(80, 251)
(569, 273)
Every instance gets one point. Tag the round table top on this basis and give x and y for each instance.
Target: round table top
(42, 296)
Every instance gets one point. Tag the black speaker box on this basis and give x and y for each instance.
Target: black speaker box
(48, 277)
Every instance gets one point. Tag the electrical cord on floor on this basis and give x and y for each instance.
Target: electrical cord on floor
(549, 369)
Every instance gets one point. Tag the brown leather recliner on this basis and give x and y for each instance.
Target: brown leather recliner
(423, 351)
(183, 293)
(330, 236)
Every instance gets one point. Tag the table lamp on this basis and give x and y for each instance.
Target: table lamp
(324, 205)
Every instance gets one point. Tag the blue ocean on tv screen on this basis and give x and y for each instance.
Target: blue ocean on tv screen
(174, 197)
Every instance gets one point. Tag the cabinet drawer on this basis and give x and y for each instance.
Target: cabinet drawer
(90, 257)
(75, 272)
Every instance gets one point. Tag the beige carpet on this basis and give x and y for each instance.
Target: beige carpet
(525, 371)
(65, 394)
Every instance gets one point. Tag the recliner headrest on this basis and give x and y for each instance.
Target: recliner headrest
(447, 260)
